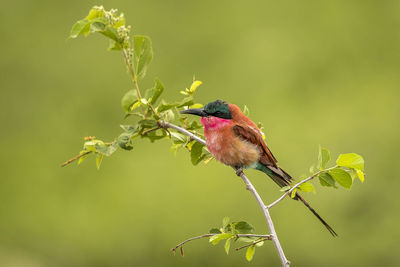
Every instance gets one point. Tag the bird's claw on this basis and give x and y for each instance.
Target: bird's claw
(239, 171)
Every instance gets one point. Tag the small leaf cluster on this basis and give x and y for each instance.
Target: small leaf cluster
(348, 167)
(230, 231)
(147, 111)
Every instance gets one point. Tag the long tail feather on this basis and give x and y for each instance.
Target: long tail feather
(317, 215)
(282, 178)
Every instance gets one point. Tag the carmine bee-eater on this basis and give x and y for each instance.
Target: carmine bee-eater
(233, 139)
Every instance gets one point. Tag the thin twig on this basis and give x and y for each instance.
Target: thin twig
(131, 71)
(75, 158)
(165, 124)
(265, 237)
(296, 186)
(253, 243)
(150, 130)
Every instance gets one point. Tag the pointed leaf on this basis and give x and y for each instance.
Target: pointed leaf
(360, 175)
(218, 237)
(154, 93)
(194, 86)
(250, 252)
(323, 157)
(227, 245)
(99, 158)
(83, 157)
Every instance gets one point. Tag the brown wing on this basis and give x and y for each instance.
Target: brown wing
(252, 136)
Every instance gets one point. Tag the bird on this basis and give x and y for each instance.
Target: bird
(235, 140)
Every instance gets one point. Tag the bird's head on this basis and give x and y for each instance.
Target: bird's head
(217, 108)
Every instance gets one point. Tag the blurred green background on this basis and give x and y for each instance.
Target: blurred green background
(314, 72)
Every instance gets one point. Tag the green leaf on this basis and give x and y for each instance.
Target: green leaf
(125, 141)
(351, 160)
(95, 12)
(225, 221)
(99, 158)
(153, 135)
(154, 93)
(218, 237)
(107, 150)
(214, 231)
(327, 180)
(342, 177)
(246, 110)
(148, 123)
(114, 46)
(80, 27)
(323, 157)
(244, 227)
(83, 157)
(260, 244)
(187, 101)
(91, 145)
(285, 188)
(129, 99)
(130, 128)
(166, 106)
(194, 86)
(178, 138)
(100, 25)
(360, 175)
(143, 54)
(197, 105)
(250, 252)
(227, 245)
(307, 187)
(196, 153)
(293, 193)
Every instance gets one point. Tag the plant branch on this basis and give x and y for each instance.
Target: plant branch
(249, 187)
(75, 158)
(296, 186)
(265, 237)
(268, 219)
(252, 244)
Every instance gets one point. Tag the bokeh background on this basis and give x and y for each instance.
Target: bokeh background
(314, 72)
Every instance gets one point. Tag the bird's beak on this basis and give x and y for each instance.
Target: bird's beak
(195, 111)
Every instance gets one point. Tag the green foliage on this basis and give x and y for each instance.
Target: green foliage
(230, 231)
(148, 109)
(349, 166)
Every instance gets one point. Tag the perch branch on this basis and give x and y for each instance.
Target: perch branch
(296, 186)
(249, 186)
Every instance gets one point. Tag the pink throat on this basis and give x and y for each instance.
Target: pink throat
(214, 123)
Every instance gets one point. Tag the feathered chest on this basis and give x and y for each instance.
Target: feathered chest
(225, 146)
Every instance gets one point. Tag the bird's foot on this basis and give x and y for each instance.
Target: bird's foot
(239, 171)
